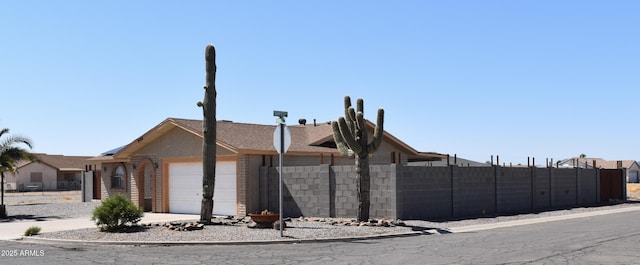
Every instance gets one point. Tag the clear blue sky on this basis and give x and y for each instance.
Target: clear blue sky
(546, 79)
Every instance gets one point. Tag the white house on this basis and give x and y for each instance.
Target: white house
(47, 172)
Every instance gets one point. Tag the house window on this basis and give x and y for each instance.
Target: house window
(117, 180)
(36, 176)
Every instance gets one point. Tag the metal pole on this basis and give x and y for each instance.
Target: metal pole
(281, 152)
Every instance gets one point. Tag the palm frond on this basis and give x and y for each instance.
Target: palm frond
(10, 154)
(12, 140)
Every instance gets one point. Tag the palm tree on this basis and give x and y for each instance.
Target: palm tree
(10, 154)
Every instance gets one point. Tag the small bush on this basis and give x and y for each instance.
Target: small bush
(116, 214)
(32, 231)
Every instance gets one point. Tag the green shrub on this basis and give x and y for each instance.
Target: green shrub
(31, 231)
(116, 214)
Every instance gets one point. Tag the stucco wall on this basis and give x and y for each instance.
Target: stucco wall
(22, 178)
(174, 143)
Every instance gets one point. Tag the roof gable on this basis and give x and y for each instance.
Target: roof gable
(258, 139)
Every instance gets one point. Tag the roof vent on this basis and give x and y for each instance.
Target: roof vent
(302, 121)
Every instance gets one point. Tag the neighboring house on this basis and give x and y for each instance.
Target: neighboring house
(47, 172)
(632, 167)
(450, 161)
(162, 169)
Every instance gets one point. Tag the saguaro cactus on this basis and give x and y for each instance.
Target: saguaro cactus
(209, 143)
(351, 136)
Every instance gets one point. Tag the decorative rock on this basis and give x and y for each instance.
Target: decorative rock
(276, 225)
(259, 225)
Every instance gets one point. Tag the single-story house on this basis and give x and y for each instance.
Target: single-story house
(632, 167)
(450, 161)
(161, 170)
(47, 172)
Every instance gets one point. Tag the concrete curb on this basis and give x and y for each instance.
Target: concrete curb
(257, 242)
(460, 229)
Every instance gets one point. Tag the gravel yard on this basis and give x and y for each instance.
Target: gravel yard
(296, 229)
(302, 230)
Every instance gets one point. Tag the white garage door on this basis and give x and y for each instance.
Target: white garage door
(185, 188)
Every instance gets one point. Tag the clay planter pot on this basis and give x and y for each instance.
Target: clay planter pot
(264, 218)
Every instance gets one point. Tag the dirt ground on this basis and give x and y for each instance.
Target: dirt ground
(37, 197)
(633, 191)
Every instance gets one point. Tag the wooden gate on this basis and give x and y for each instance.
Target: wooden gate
(611, 184)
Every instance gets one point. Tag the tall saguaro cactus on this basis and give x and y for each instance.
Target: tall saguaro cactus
(351, 136)
(209, 129)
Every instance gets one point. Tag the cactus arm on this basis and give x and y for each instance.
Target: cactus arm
(352, 114)
(347, 105)
(361, 123)
(351, 120)
(360, 105)
(377, 133)
(348, 137)
(337, 137)
(347, 114)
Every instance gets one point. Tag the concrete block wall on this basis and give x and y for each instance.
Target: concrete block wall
(542, 188)
(564, 187)
(474, 191)
(383, 191)
(345, 199)
(588, 186)
(514, 194)
(424, 193)
(428, 192)
(305, 190)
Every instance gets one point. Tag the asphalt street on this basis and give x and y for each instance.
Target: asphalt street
(605, 239)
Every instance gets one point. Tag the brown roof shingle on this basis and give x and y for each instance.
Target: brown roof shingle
(258, 139)
(244, 136)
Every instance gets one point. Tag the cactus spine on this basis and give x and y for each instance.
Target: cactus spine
(209, 130)
(351, 136)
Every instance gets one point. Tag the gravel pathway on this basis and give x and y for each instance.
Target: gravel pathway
(302, 230)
